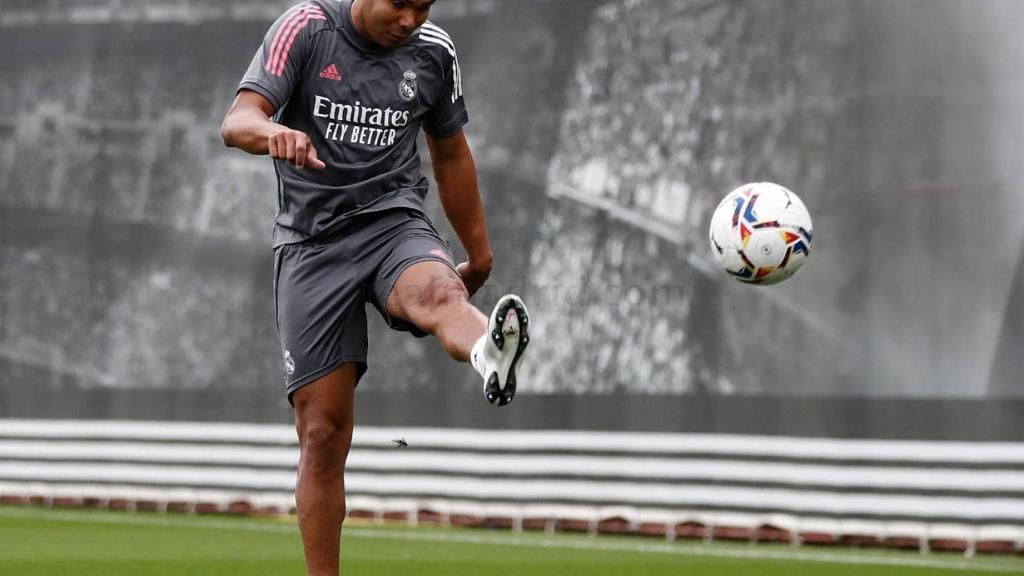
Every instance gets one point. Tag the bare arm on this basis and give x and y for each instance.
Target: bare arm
(247, 125)
(455, 173)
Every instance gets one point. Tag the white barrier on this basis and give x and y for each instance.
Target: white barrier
(927, 491)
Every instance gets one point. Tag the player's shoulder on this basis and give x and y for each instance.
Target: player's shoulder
(435, 40)
(311, 15)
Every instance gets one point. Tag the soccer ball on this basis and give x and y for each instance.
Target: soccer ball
(761, 233)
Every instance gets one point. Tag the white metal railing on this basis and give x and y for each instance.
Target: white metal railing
(884, 489)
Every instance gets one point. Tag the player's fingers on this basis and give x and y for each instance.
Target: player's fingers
(272, 146)
(468, 278)
(313, 160)
(300, 154)
(290, 150)
(480, 283)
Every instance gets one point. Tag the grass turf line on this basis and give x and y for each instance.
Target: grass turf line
(39, 541)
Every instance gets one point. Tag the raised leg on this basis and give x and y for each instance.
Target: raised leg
(432, 296)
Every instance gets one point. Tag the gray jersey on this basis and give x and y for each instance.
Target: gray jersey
(361, 105)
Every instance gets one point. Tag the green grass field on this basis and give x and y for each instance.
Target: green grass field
(38, 541)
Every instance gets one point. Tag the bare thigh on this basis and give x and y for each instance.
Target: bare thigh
(425, 292)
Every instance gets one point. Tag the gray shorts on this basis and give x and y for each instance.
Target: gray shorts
(322, 285)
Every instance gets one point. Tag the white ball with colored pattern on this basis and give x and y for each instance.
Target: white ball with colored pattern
(761, 233)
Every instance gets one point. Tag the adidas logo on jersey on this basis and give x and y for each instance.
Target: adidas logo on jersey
(331, 73)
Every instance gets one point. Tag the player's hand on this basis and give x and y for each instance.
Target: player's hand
(474, 275)
(295, 147)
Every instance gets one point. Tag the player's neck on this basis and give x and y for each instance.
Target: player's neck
(356, 14)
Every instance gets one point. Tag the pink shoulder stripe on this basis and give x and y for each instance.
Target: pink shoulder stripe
(291, 40)
(285, 35)
(295, 15)
(288, 29)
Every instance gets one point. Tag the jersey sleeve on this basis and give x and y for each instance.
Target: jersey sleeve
(448, 114)
(277, 65)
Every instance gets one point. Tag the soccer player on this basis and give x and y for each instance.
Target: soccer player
(336, 95)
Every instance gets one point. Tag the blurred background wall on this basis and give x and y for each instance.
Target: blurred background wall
(135, 262)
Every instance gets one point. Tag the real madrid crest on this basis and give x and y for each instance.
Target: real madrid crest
(407, 87)
(289, 362)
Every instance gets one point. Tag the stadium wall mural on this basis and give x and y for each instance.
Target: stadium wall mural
(136, 262)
